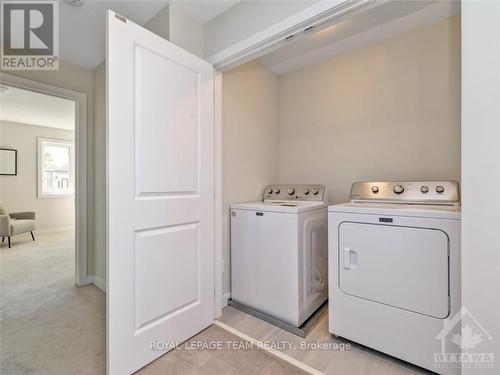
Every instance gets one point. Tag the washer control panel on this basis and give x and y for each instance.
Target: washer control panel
(313, 193)
(407, 192)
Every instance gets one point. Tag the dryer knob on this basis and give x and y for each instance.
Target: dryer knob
(277, 191)
(375, 189)
(269, 191)
(315, 191)
(291, 191)
(306, 191)
(439, 189)
(398, 189)
(424, 189)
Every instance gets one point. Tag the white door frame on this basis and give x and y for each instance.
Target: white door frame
(218, 255)
(81, 277)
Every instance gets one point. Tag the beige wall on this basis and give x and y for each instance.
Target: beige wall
(19, 193)
(249, 139)
(99, 224)
(388, 111)
(185, 31)
(160, 23)
(179, 28)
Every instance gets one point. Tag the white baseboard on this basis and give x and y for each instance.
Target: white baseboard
(225, 298)
(86, 280)
(92, 279)
(98, 282)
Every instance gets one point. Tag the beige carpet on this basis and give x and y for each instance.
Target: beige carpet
(225, 360)
(47, 325)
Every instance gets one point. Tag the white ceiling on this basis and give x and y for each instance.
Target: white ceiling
(381, 22)
(34, 108)
(82, 29)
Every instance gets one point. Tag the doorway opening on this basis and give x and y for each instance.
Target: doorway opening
(46, 301)
(44, 134)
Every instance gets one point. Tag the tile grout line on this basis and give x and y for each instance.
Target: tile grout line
(274, 352)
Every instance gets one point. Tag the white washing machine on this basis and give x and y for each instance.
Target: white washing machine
(394, 264)
(279, 249)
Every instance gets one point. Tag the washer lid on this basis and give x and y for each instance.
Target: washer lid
(414, 210)
(279, 206)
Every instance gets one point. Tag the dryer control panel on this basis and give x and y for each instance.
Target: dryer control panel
(312, 193)
(407, 192)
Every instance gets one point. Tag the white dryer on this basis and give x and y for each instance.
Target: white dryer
(279, 249)
(394, 264)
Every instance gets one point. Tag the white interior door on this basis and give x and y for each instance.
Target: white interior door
(160, 194)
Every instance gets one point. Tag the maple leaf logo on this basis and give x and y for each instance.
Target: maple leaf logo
(467, 339)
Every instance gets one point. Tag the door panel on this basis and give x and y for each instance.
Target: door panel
(166, 125)
(160, 195)
(398, 266)
(176, 250)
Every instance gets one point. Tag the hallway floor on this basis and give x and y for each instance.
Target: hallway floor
(48, 325)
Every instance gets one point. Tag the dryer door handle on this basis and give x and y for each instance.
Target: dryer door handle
(350, 259)
(347, 258)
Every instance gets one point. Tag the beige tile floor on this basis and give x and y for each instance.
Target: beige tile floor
(47, 325)
(184, 361)
(359, 360)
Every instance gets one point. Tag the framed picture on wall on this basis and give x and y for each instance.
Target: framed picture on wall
(8, 162)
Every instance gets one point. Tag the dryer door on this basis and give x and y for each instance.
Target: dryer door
(403, 267)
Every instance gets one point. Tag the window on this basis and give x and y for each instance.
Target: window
(56, 168)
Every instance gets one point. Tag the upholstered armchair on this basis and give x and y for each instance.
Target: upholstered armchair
(17, 223)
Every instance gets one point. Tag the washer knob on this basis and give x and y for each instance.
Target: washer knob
(375, 189)
(306, 191)
(291, 191)
(439, 189)
(398, 189)
(269, 191)
(315, 191)
(277, 191)
(424, 189)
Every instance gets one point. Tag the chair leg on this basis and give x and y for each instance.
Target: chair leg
(3, 239)
(8, 238)
(32, 236)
